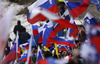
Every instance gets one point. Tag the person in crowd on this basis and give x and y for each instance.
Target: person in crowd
(19, 28)
(23, 35)
(75, 60)
(62, 8)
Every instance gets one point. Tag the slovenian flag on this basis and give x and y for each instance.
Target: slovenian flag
(46, 4)
(25, 46)
(77, 8)
(62, 41)
(47, 33)
(90, 20)
(61, 47)
(23, 57)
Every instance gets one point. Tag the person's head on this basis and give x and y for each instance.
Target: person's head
(18, 22)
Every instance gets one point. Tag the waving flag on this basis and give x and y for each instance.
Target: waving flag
(23, 57)
(35, 32)
(39, 55)
(89, 19)
(53, 17)
(57, 27)
(62, 47)
(47, 4)
(70, 31)
(47, 33)
(14, 51)
(62, 41)
(77, 8)
(25, 46)
(66, 15)
(29, 51)
(88, 51)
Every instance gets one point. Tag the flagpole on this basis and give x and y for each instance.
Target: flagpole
(56, 50)
(17, 47)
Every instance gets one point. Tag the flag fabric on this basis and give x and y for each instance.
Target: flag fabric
(98, 6)
(70, 31)
(56, 61)
(90, 52)
(35, 30)
(53, 17)
(77, 8)
(53, 61)
(39, 55)
(47, 4)
(29, 51)
(94, 1)
(57, 27)
(49, 24)
(4, 29)
(23, 57)
(40, 38)
(66, 15)
(25, 46)
(62, 47)
(35, 33)
(47, 33)
(90, 20)
(33, 42)
(94, 36)
(62, 41)
(14, 53)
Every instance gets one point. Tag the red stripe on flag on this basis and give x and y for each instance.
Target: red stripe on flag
(35, 32)
(36, 18)
(96, 42)
(54, 9)
(80, 9)
(25, 59)
(40, 39)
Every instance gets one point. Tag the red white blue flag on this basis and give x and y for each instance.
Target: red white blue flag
(77, 8)
(46, 4)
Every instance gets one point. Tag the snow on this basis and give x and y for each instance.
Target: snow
(22, 18)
